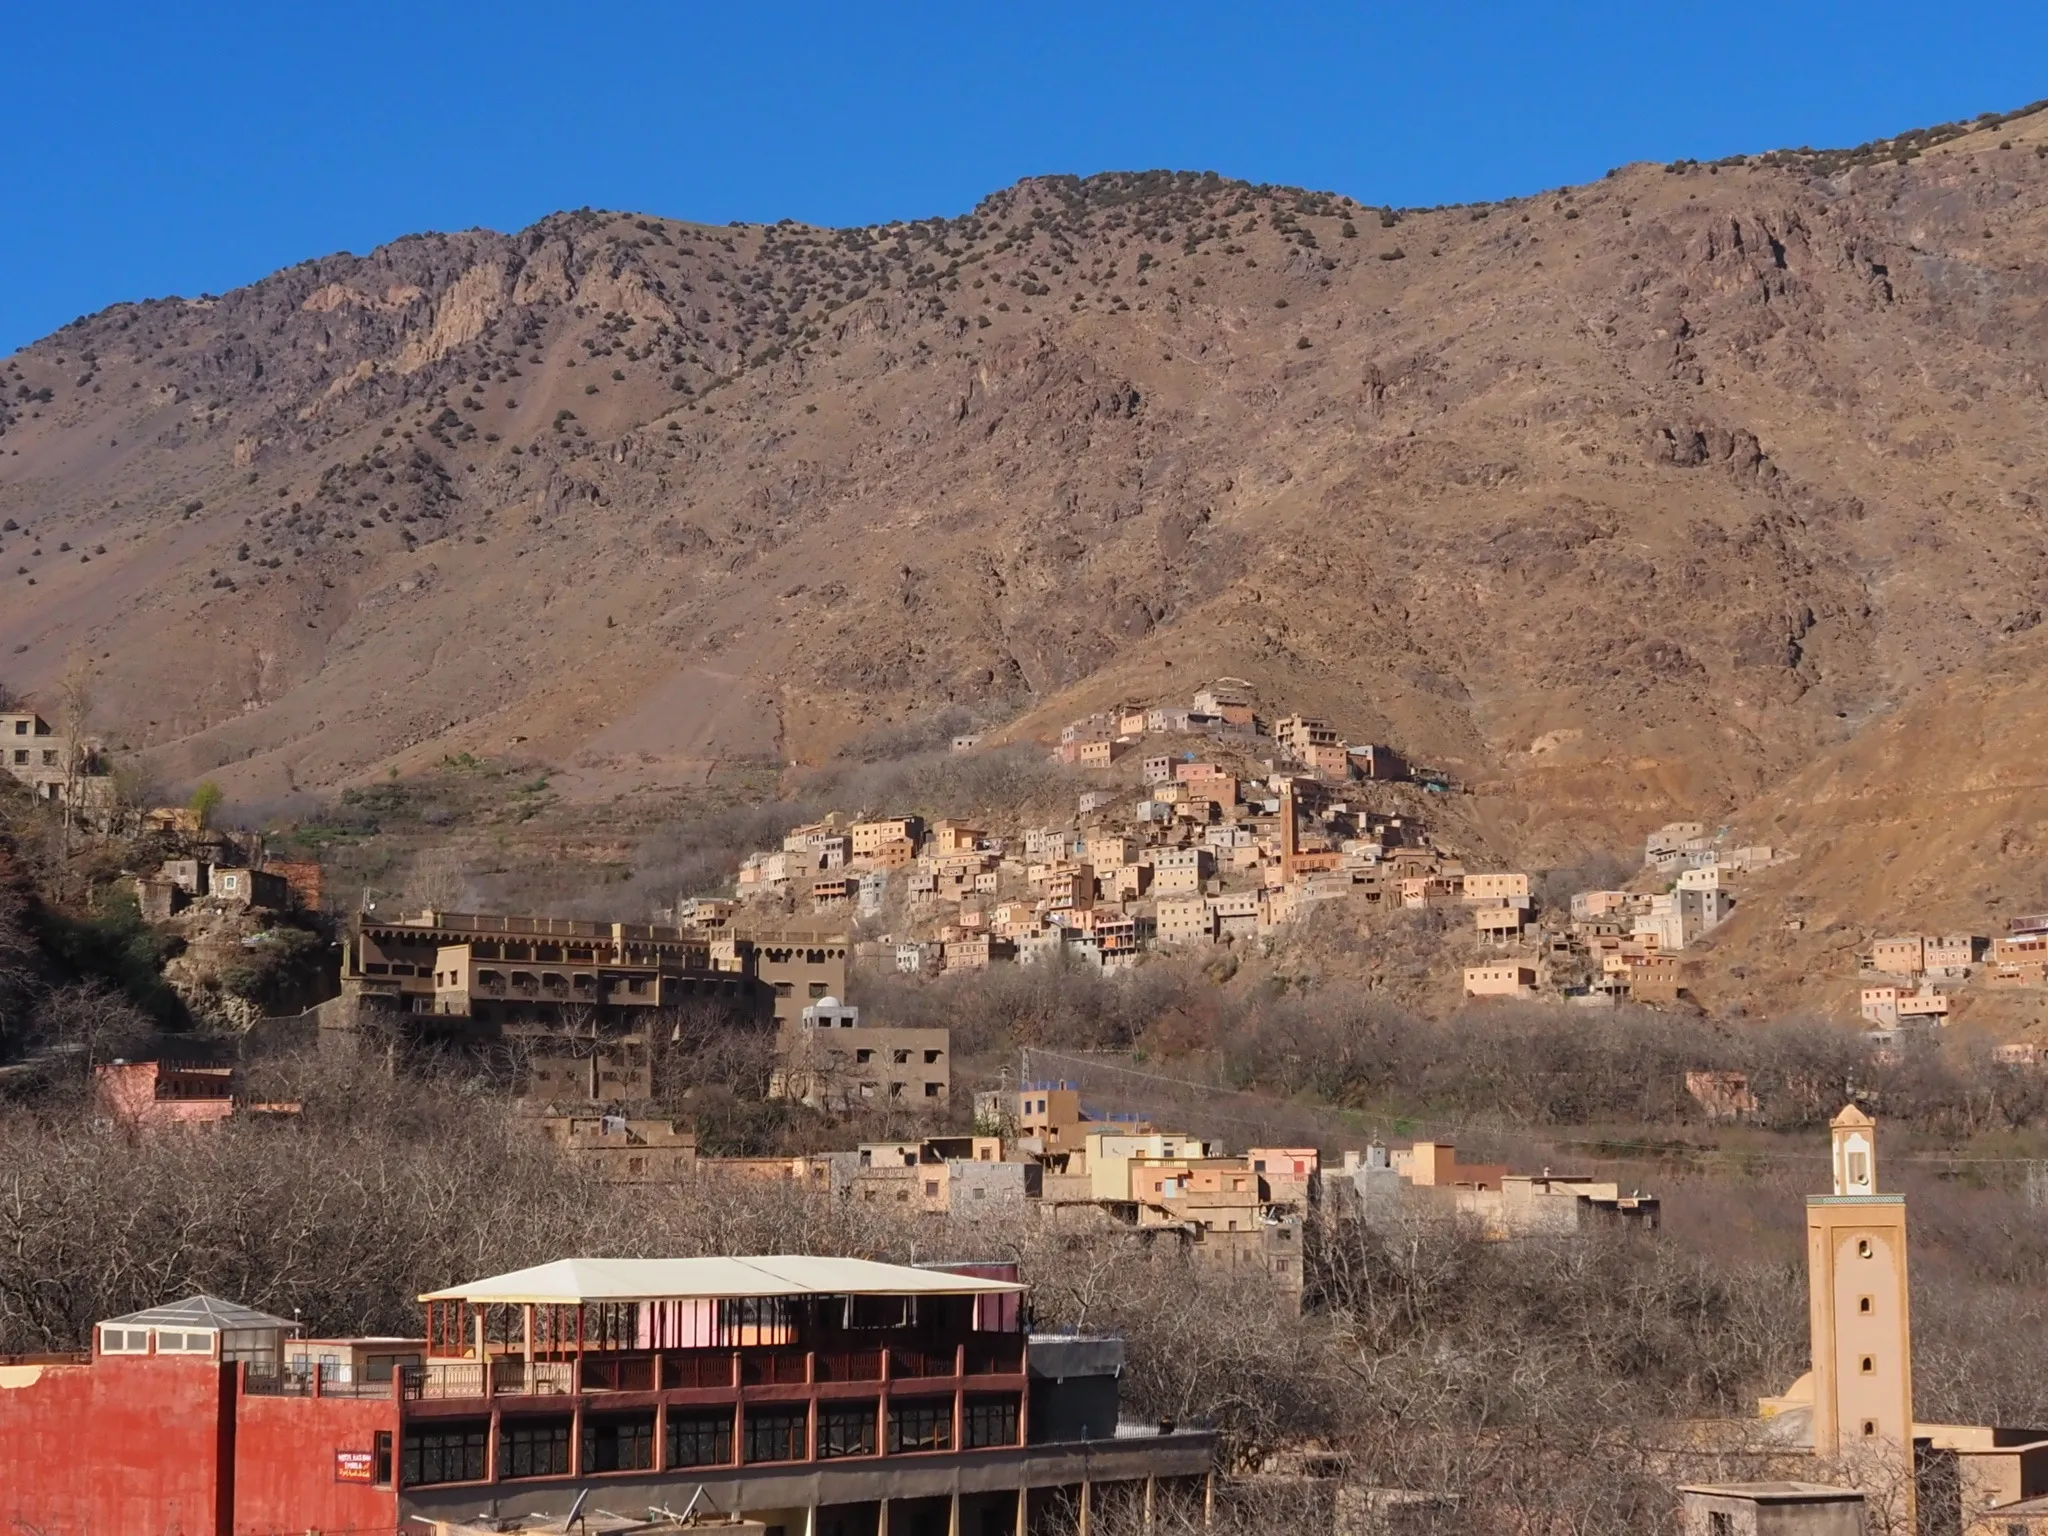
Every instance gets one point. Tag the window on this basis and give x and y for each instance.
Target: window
(384, 1367)
(700, 1439)
(776, 1433)
(931, 1090)
(1863, 1304)
(1867, 1365)
(380, 1459)
(785, 989)
(1862, 1247)
(446, 1453)
(534, 1448)
(49, 759)
(931, 1188)
(1869, 1427)
(619, 1445)
(1720, 1523)
(921, 1424)
(21, 727)
(1282, 1266)
(124, 1341)
(21, 757)
(900, 1058)
(863, 1056)
(931, 1058)
(817, 989)
(981, 1194)
(895, 1090)
(847, 1429)
(989, 1421)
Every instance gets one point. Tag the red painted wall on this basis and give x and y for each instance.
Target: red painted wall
(284, 1465)
(117, 1447)
(159, 1446)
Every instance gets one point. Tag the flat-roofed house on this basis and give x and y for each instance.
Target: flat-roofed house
(1905, 955)
(1498, 888)
(1507, 979)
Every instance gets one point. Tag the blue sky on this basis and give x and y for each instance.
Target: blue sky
(167, 148)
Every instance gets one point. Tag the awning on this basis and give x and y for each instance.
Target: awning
(566, 1282)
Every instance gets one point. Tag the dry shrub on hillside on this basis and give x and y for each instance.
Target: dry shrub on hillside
(1515, 1064)
(1008, 1006)
(1525, 1382)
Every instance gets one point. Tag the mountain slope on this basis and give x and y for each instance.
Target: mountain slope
(1620, 500)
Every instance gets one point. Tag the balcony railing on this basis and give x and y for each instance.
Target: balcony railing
(692, 1369)
(850, 1365)
(909, 1364)
(995, 1359)
(701, 1370)
(313, 1383)
(443, 1379)
(626, 1373)
(774, 1368)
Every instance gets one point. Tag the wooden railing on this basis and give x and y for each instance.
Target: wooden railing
(850, 1365)
(774, 1367)
(624, 1373)
(695, 1369)
(709, 1370)
(910, 1364)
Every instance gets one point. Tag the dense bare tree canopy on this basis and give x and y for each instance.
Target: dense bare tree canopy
(1526, 1378)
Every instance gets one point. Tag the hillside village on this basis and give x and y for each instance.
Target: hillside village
(1215, 824)
(1221, 823)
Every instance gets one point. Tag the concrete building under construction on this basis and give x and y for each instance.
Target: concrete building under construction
(570, 1005)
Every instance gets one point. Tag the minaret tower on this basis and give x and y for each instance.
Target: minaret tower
(1289, 836)
(1862, 1329)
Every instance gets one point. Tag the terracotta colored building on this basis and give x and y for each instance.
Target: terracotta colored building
(805, 1394)
(161, 1095)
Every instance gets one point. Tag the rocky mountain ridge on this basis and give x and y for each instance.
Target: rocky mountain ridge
(1621, 501)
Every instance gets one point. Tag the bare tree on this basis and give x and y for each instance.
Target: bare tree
(439, 880)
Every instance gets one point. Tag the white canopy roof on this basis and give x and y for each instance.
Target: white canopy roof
(567, 1281)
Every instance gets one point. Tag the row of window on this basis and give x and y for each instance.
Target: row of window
(21, 759)
(773, 1432)
(135, 1341)
(866, 1054)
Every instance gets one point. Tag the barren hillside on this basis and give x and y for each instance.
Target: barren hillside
(1622, 500)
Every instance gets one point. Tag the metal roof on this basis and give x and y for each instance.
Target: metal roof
(203, 1311)
(574, 1280)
